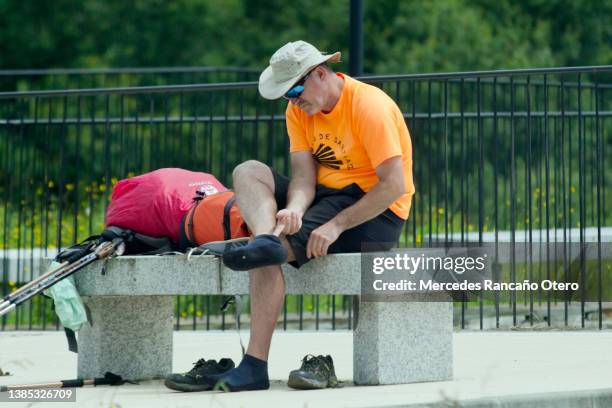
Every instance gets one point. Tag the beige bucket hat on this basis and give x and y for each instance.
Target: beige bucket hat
(292, 61)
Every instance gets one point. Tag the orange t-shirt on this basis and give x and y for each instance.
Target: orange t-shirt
(364, 129)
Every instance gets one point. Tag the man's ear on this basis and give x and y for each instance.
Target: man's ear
(321, 72)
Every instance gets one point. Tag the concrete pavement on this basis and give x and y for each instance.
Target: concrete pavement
(501, 369)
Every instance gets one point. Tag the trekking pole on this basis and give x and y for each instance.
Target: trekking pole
(69, 257)
(108, 379)
(101, 251)
(6, 300)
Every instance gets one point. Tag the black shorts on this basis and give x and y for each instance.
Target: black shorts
(379, 234)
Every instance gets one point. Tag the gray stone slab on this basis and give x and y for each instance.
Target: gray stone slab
(233, 282)
(403, 342)
(150, 275)
(337, 274)
(129, 336)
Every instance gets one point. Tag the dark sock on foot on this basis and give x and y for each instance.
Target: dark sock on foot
(251, 374)
(264, 250)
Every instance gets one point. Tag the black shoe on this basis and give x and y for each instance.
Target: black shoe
(316, 372)
(264, 250)
(199, 378)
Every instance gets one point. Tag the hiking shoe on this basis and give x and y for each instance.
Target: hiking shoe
(199, 377)
(316, 372)
(264, 250)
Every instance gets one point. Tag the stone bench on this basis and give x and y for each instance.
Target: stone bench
(131, 304)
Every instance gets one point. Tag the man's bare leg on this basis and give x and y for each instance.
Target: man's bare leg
(254, 187)
(267, 291)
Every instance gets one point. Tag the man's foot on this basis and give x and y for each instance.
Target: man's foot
(218, 248)
(316, 372)
(264, 250)
(250, 375)
(196, 378)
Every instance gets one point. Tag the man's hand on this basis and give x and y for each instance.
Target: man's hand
(321, 238)
(291, 219)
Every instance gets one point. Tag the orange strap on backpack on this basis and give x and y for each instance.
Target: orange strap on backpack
(214, 217)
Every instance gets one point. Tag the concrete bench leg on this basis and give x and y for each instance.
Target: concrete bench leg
(403, 342)
(130, 336)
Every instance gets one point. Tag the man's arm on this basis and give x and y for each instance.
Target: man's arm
(301, 191)
(390, 187)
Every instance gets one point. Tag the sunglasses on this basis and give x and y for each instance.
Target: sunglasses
(297, 89)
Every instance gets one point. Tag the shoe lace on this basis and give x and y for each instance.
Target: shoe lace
(315, 363)
(200, 363)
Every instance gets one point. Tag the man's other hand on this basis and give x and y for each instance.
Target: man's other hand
(321, 238)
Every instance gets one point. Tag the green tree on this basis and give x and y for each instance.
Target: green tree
(400, 36)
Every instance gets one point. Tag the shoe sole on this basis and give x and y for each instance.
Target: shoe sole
(301, 383)
(187, 387)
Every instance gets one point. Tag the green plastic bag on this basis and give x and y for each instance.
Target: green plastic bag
(68, 304)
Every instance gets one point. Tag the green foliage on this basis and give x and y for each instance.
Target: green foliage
(399, 36)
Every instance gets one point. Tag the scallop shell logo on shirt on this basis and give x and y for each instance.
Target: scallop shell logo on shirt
(326, 156)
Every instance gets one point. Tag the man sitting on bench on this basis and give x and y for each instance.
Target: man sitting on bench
(351, 184)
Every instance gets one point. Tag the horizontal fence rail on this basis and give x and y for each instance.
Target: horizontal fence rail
(499, 156)
(79, 78)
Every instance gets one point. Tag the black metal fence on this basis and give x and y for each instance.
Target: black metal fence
(499, 156)
(80, 78)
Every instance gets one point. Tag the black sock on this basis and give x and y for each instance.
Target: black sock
(264, 250)
(251, 374)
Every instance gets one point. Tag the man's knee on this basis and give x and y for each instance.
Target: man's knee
(251, 169)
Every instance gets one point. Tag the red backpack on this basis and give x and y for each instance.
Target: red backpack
(154, 203)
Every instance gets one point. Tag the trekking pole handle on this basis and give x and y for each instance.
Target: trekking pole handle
(107, 248)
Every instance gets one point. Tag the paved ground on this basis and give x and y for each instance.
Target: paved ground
(502, 369)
